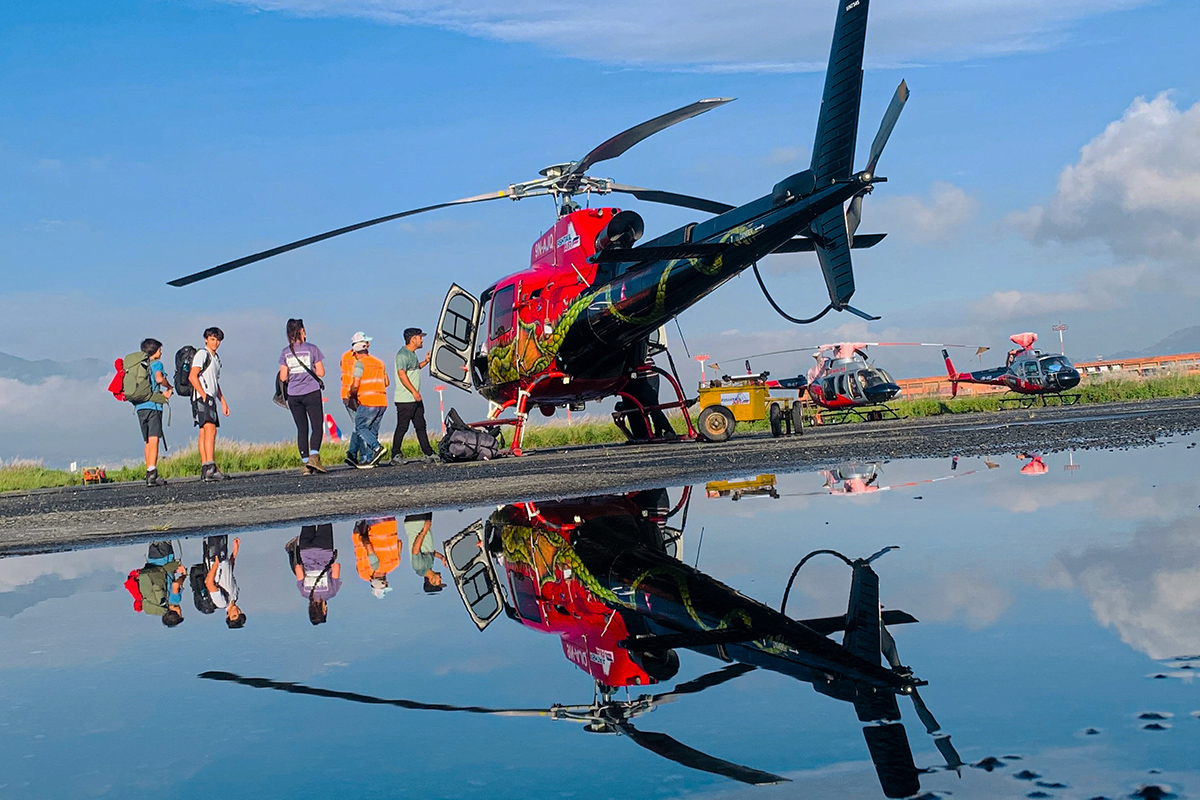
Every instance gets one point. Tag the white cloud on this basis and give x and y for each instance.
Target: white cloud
(715, 35)
(1098, 290)
(931, 219)
(1135, 188)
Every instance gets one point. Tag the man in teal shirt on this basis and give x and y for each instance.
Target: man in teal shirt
(409, 406)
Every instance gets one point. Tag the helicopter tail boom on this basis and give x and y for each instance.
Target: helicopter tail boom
(954, 376)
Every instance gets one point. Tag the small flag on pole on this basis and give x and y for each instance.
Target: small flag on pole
(331, 429)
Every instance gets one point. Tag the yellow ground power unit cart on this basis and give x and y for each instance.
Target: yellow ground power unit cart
(726, 401)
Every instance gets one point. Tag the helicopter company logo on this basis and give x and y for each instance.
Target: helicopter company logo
(604, 658)
(570, 239)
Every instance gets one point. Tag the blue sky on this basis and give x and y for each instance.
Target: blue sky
(143, 140)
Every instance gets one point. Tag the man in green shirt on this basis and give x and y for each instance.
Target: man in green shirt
(422, 552)
(409, 405)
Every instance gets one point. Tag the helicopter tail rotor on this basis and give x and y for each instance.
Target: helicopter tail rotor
(952, 372)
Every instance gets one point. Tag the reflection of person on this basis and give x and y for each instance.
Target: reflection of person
(161, 583)
(417, 528)
(318, 575)
(376, 552)
(222, 586)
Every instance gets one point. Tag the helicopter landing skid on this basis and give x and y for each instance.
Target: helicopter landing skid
(621, 418)
(874, 413)
(1031, 400)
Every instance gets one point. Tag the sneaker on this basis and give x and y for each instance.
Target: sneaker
(152, 479)
(314, 463)
(432, 458)
(377, 456)
(350, 461)
(365, 465)
(205, 469)
(397, 461)
(214, 475)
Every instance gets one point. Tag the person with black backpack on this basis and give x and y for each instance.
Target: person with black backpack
(221, 585)
(146, 386)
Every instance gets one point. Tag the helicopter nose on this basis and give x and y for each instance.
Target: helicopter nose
(1068, 378)
(882, 392)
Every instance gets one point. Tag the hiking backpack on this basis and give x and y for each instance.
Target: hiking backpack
(135, 381)
(117, 384)
(183, 368)
(200, 594)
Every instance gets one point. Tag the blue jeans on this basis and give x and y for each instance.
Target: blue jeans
(365, 440)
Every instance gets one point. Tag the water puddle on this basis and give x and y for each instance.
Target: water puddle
(975, 627)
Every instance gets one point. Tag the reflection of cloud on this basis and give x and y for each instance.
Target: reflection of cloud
(972, 598)
(718, 36)
(1149, 590)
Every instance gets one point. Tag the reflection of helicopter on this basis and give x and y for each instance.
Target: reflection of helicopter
(576, 325)
(759, 486)
(1034, 464)
(1028, 372)
(845, 382)
(862, 479)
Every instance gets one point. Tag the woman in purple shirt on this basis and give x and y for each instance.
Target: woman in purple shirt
(302, 366)
(318, 575)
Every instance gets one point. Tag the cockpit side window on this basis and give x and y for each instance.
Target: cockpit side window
(1031, 368)
(502, 312)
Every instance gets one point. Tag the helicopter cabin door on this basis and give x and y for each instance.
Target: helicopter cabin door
(455, 337)
(474, 575)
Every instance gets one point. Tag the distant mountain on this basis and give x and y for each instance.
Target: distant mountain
(85, 369)
(1184, 340)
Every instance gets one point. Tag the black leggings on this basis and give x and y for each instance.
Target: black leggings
(307, 412)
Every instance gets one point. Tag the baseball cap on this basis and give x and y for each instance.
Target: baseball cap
(411, 332)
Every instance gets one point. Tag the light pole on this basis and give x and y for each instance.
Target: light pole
(702, 357)
(1060, 328)
(441, 407)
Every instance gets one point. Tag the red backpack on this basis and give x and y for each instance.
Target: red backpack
(117, 387)
(131, 584)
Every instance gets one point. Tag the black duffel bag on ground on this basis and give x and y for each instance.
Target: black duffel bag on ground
(464, 443)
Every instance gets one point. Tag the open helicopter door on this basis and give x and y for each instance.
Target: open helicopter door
(474, 575)
(454, 340)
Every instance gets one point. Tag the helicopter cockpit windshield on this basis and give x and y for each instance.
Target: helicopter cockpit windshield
(874, 377)
(1053, 364)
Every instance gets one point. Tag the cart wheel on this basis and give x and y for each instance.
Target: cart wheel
(798, 418)
(776, 417)
(716, 423)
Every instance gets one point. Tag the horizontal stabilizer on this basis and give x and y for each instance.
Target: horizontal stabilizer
(802, 244)
(828, 625)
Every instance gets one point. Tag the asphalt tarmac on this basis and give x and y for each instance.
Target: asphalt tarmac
(55, 519)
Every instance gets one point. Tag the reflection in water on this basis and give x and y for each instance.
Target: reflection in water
(213, 583)
(418, 529)
(318, 575)
(157, 587)
(376, 552)
(602, 574)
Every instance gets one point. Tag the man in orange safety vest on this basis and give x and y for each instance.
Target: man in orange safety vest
(364, 390)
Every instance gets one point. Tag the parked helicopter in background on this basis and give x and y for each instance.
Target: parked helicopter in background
(576, 326)
(1028, 372)
(846, 382)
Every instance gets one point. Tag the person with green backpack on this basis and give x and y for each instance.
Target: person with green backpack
(146, 386)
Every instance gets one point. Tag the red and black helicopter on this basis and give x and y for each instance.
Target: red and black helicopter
(1028, 372)
(604, 574)
(577, 325)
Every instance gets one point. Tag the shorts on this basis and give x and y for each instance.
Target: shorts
(204, 412)
(150, 420)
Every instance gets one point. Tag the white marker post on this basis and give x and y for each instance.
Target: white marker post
(1060, 328)
(441, 407)
(701, 358)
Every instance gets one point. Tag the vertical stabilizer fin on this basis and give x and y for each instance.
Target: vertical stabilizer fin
(831, 240)
(837, 127)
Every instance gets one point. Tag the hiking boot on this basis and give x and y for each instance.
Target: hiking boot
(377, 456)
(314, 463)
(152, 479)
(205, 469)
(307, 470)
(214, 475)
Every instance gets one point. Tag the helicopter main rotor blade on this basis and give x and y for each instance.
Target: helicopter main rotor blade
(672, 198)
(714, 678)
(627, 139)
(680, 753)
(274, 251)
(355, 697)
